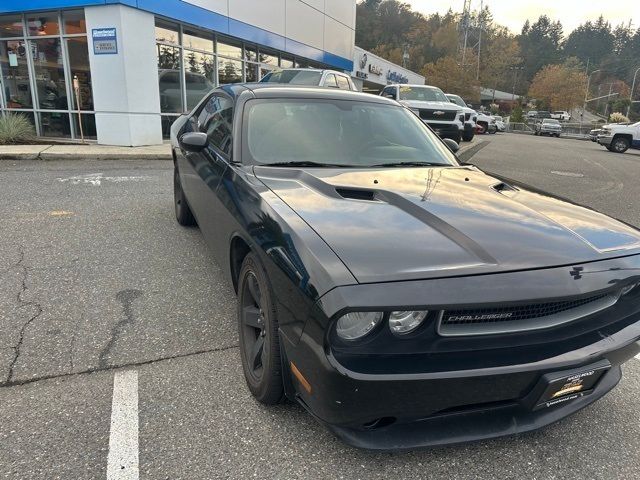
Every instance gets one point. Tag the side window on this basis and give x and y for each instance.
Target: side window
(216, 120)
(389, 92)
(343, 83)
(331, 81)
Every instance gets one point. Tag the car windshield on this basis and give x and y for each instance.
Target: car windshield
(423, 94)
(294, 77)
(550, 120)
(339, 133)
(457, 100)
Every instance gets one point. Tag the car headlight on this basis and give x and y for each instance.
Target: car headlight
(355, 325)
(402, 323)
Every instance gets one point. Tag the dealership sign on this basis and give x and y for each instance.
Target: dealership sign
(105, 41)
(395, 77)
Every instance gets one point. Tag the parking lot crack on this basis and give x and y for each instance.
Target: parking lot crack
(22, 304)
(126, 298)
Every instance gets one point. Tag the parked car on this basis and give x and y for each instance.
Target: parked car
(542, 115)
(432, 106)
(486, 123)
(619, 138)
(548, 126)
(500, 125)
(531, 114)
(404, 299)
(470, 117)
(561, 115)
(311, 77)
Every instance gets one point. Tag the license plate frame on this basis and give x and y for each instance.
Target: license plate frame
(558, 388)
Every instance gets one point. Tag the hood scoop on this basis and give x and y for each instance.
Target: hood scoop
(357, 194)
(503, 187)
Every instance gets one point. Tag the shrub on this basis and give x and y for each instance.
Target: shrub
(618, 117)
(517, 115)
(15, 128)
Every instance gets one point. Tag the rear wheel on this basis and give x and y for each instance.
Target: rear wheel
(620, 145)
(184, 216)
(258, 331)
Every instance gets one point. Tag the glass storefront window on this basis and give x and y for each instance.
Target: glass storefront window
(286, 62)
(229, 71)
(250, 53)
(15, 72)
(11, 26)
(227, 50)
(199, 75)
(41, 24)
(169, 79)
(55, 125)
(74, 22)
(49, 73)
(80, 73)
(269, 58)
(166, 33)
(251, 72)
(88, 130)
(197, 41)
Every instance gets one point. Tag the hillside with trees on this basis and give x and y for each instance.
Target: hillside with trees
(541, 61)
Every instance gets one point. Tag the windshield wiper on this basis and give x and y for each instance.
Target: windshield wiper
(306, 164)
(411, 164)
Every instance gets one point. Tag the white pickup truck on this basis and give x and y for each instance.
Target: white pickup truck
(619, 138)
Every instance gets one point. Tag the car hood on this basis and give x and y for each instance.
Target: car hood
(418, 223)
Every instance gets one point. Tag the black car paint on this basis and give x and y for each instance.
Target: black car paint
(496, 243)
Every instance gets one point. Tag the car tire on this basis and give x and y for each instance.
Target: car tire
(467, 137)
(184, 216)
(620, 145)
(457, 138)
(258, 332)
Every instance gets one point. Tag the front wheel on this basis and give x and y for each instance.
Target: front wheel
(258, 331)
(620, 145)
(468, 136)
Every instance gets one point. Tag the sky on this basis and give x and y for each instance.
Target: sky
(513, 13)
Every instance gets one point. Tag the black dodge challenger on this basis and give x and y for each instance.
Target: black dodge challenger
(402, 298)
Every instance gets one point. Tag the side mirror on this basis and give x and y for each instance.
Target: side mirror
(194, 141)
(451, 144)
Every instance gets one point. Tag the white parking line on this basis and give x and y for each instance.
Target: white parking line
(122, 463)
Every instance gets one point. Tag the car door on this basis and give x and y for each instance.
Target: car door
(206, 168)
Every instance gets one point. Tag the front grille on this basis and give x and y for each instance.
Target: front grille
(430, 114)
(492, 320)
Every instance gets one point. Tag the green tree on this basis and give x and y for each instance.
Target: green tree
(540, 45)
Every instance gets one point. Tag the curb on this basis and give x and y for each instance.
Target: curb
(88, 152)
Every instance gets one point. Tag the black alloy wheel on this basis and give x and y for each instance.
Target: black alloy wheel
(258, 331)
(184, 216)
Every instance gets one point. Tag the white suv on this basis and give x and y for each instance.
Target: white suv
(619, 138)
(470, 117)
(432, 106)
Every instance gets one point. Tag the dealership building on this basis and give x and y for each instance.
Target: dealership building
(120, 71)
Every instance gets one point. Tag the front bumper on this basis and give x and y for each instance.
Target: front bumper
(445, 130)
(436, 390)
(400, 412)
(605, 139)
(545, 131)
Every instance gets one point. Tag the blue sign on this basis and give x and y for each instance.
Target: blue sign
(396, 77)
(105, 41)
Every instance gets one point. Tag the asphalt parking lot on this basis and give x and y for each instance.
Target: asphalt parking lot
(100, 287)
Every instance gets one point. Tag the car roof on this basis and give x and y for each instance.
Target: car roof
(280, 90)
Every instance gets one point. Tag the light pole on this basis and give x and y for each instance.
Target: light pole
(405, 56)
(586, 94)
(633, 87)
(515, 77)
